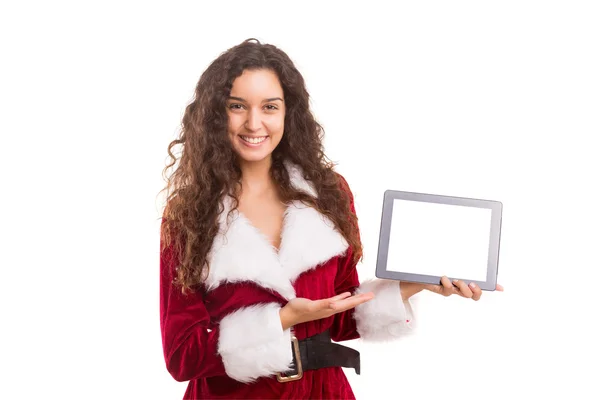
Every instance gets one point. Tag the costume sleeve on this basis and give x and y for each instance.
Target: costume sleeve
(253, 343)
(190, 348)
(246, 344)
(344, 324)
(385, 317)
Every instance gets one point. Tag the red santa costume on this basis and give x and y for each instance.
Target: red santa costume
(227, 339)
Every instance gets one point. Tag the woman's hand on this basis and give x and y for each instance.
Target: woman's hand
(300, 310)
(446, 288)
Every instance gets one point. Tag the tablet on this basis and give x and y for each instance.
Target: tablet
(426, 236)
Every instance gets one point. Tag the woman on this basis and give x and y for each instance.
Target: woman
(260, 241)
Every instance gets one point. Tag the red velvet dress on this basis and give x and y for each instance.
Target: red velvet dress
(227, 340)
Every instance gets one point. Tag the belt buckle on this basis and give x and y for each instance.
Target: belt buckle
(298, 375)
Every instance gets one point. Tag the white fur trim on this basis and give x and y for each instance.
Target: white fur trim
(308, 239)
(384, 317)
(240, 252)
(297, 179)
(252, 343)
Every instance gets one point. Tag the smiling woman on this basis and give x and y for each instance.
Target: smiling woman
(260, 242)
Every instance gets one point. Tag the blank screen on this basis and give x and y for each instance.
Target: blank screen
(439, 239)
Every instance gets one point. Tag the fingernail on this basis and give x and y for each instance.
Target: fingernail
(472, 285)
(455, 281)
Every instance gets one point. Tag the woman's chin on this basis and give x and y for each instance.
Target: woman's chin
(253, 156)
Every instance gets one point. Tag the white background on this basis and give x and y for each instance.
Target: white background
(496, 100)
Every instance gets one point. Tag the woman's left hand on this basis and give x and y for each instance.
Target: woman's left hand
(446, 288)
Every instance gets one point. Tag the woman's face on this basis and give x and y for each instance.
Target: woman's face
(256, 114)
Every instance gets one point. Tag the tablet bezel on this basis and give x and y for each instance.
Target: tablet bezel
(385, 228)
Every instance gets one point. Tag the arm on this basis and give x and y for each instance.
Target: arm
(190, 350)
(388, 316)
(247, 343)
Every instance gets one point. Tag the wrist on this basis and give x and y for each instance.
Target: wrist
(407, 292)
(286, 319)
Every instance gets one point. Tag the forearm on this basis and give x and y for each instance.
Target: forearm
(406, 291)
(196, 357)
(286, 319)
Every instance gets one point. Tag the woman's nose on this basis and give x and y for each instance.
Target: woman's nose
(254, 121)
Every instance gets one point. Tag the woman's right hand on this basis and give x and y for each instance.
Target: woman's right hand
(300, 310)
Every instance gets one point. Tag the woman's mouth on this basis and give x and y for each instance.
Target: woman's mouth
(253, 141)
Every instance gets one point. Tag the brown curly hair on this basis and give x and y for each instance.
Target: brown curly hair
(209, 169)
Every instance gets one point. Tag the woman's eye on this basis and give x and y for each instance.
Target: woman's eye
(236, 106)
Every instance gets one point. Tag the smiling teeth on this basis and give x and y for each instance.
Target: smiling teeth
(254, 140)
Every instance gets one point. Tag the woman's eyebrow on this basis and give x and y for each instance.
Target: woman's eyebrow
(264, 101)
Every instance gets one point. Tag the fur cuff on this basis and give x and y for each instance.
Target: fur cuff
(252, 343)
(385, 317)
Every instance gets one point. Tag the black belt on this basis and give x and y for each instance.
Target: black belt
(319, 351)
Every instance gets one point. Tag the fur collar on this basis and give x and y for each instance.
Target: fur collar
(240, 252)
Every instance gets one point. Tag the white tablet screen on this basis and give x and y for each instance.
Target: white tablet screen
(439, 239)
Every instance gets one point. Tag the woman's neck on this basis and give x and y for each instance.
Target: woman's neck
(256, 177)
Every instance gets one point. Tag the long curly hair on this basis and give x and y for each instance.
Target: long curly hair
(208, 168)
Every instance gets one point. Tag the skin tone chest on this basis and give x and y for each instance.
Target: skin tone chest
(265, 212)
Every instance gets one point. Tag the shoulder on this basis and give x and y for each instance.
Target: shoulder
(344, 185)
(331, 177)
(169, 228)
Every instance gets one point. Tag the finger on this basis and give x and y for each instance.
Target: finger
(447, 287)
(463, 288)
(351, 302)
(476, 291)
(441, 289)
(340, 296)
(324, 304)
(332, 302)
(499, 287)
